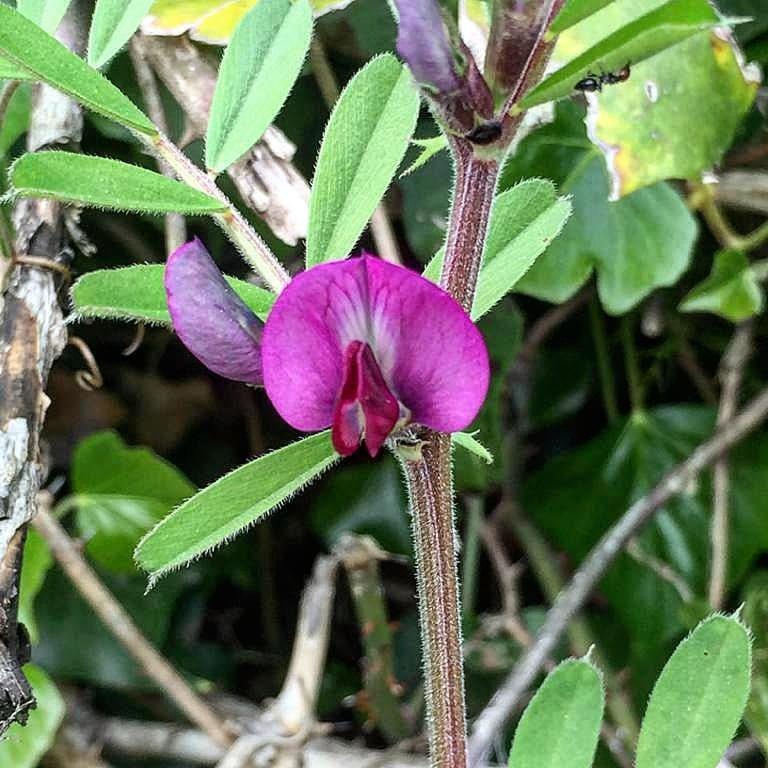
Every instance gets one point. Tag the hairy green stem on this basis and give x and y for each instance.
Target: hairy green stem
(239, 231)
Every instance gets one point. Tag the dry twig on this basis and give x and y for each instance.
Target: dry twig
(175, 224)
(122, 626)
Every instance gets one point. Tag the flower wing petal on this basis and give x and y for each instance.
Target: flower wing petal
(211, 320)
(430, 352)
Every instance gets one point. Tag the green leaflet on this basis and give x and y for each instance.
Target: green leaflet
(260, 66)
(365, 140)
(561, 725)
(137, 293)
(521, 229)
(232, 503)
(105, 183)
(429, 148)
(468, 442)
(114, 21)
(11, 71)
(732, 290)
(25, 45)
(699, 698)
(524, 221)
(573, 12)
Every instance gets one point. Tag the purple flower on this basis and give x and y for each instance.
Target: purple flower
(361, 346)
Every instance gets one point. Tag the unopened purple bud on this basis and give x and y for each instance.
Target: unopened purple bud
(212, 321)
(423, 43)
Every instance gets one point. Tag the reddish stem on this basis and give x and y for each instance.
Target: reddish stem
(434, 536)
(472, 200)
(431, 488)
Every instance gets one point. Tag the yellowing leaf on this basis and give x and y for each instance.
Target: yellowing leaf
(211, 21)
(678, 111)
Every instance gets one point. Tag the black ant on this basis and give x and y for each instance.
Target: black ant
(485, 133)
(593, 82)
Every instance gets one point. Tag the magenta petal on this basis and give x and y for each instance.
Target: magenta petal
(212, 321)
(440, 369)
(430, 354)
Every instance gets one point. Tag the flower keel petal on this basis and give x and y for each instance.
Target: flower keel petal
(365, 405)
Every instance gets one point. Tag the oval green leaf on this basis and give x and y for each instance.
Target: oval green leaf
(699, 698)
(24, 44)
(105, 183)
(665, 123)
(561, 725)
(260, 66)
(114, 21)
(642, 242)
(137, 293)
(232, 503)
(365, 140)
(642, 38)
(121, 492)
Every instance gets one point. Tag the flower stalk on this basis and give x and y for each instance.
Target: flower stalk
(476, 179)
(479, 139)
(430, 483)
(430, 488)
